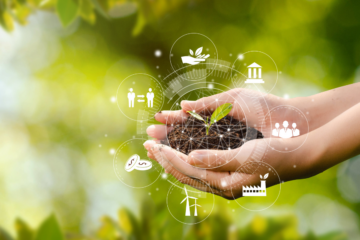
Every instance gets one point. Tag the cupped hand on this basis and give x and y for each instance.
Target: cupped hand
(220, 169)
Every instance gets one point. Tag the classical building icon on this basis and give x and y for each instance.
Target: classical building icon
(254, 74)
(256, 191)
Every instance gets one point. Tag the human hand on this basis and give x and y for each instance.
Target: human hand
(192, 60)
(219, 169)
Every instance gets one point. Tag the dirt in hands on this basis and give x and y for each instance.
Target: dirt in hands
(228, 133)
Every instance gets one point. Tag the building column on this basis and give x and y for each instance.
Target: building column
(249, 72)
(255, 73)
(259, 72)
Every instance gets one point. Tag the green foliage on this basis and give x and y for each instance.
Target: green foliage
(67, 11)
(217, 115)
(49, 229)
(220, 112)
(23, 231)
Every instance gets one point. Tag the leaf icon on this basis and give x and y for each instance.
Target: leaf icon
(207, 56)
(266, 176)
(260, 176)
(191, 52)
(198, 51)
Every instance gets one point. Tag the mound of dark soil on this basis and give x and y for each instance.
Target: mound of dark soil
(228, 133)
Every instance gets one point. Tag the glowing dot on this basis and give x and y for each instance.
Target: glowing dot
(286, 96)
(112, 151)
(193, 110)
(233, 210)
(113, 99)
(157, 67)
(221, 136)
(149, 193)
(230, 54)
(223, 183)
(294, 166)
(210, 86)
(240, 56)
(99, 145)
(312, 100)
(280, 72)
(229, 148)
(172, 124)
(228, 129)
(307, 112)
(177, 149)
(190, 139)
(182, 131)
(105, 135)
(286, 149)
(157, 189)
(215, 154)
(204, 211)
(158, 53)
(214, 120)
(159, 76)
(217, 100)
(164, 176)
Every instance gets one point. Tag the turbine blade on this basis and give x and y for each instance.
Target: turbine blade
(183, 200)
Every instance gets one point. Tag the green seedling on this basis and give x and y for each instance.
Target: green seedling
(217, 115)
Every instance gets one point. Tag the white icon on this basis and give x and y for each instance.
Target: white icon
(187, 210)
(134, 162)
(285, 132)
(256, 191)
(150, 98)
(196, 59)
(141, 98)
(254, 74)
(131, 97)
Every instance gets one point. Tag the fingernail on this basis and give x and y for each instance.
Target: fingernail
(147, 144)
(151, 130)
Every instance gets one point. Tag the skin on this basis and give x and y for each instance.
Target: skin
(329, 142)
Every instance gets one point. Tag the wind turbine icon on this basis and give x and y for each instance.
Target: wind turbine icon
(187, 210)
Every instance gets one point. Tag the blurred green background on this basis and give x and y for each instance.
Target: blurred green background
(58, 125)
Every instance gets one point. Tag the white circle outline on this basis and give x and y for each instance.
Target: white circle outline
(256, 51)
(175, 185)
(194, 33)
(117, 92)
(307, 122)
(235, 199)
(117, 175)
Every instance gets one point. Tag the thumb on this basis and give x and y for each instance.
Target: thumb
(207, 103)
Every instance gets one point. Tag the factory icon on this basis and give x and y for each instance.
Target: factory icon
(256, 191)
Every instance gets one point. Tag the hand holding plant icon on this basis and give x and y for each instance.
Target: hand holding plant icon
(216, 116)
(195, 58)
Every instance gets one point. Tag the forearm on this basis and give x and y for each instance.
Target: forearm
(325, 106)
(336, 141)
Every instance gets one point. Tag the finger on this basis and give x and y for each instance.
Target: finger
(158, 131)
(222, 160)
(179, 161)
(208, 103)
(171, 117)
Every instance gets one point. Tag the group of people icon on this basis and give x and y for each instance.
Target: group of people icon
(149, 96)
(285, 132)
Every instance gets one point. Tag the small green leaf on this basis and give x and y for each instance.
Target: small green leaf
(49, 229)
(23, 231)
(67, 11)
(220, 112)
(197, 116)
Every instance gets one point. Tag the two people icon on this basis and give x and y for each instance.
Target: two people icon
(150, 98)
(285, 132)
